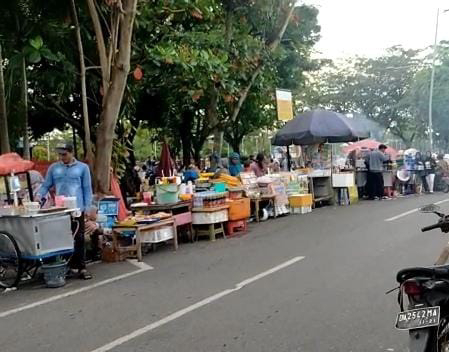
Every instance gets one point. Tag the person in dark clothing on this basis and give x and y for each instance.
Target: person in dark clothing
(430, 165)
(375, 164)
(421, 171)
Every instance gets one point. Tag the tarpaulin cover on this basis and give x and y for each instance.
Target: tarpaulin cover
(12, 162)
(319, 126)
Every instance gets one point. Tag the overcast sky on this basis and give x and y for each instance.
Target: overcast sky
(368, 27)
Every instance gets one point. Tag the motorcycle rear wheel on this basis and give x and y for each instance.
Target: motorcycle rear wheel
(443, 335)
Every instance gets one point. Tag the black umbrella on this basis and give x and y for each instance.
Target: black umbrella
(319, 126)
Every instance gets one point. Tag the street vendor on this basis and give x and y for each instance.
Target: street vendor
(71, 178)
(258, 166)
(235, 166)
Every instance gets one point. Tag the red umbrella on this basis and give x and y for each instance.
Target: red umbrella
(12, 162)
(369, 144)
(165, 168)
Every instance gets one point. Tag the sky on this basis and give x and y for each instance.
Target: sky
(368, 27)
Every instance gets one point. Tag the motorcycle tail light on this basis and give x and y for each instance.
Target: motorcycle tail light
(412, 288)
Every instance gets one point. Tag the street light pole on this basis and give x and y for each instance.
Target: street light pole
(432, 79)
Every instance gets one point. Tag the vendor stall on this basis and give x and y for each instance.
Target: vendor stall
(129, 238)
(32, 238)
(314, 128)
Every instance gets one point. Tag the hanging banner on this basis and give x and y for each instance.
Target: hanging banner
(284, 104)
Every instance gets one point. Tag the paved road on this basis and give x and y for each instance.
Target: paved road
(299, 283)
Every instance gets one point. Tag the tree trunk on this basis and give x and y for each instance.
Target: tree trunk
(113, 98)
(87, 141)
(235, 144)
(101, 47)
(212, 118)
(218, 134)
(4, 136)
(197, 154)
(26, 137)
(186, 137)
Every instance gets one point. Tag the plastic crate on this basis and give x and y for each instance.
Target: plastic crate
(108, 206)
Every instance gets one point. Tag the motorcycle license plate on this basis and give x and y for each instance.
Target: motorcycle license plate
(418, 318)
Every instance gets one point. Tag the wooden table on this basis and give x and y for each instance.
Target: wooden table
(140, 231)
(212, 232)
(181, 211)
(256, 202)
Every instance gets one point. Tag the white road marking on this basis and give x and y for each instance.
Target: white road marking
(142, 268)
(193, 307)
(412, 211)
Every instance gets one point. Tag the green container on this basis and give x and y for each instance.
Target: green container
(220, 187)
(167, 194)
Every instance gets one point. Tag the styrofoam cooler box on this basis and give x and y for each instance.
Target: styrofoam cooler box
(160, 235)
(203, 218)
(343, 180)
(301, 210)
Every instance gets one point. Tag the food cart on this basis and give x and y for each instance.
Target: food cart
(29, 236)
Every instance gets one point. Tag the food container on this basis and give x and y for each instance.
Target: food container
(31, 207)
(209, 199)
(59, 201)
(147, 197)
(235, 192)
(70, 202)
(213, 217)
(220, 187)
(239, 209)
(167, 193)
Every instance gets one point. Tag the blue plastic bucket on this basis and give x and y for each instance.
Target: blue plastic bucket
(54, 274)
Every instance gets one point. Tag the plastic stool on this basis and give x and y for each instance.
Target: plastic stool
(234, 228)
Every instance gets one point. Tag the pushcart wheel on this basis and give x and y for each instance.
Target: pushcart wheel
(10, 261)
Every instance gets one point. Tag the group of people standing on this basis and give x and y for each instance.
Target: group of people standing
(425, 167)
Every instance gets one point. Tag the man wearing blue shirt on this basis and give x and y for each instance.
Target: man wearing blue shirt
(71, 178)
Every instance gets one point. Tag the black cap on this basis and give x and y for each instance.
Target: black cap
(67, 147)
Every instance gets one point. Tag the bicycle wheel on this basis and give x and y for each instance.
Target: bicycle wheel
(10, 261)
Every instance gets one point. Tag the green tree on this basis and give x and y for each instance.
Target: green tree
(378, 88)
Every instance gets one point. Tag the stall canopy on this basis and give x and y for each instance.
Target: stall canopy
(12, 162)
(319, 126)
(369, 144)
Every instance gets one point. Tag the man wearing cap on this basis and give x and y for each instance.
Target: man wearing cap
(71, 178)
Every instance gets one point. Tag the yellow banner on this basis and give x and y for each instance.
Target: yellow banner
(284, 104)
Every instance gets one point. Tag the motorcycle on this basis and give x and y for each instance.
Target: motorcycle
(427, 289)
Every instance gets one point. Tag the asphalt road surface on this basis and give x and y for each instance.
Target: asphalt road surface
(312, 282)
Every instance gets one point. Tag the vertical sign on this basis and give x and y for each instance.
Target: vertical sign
(284, 104)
